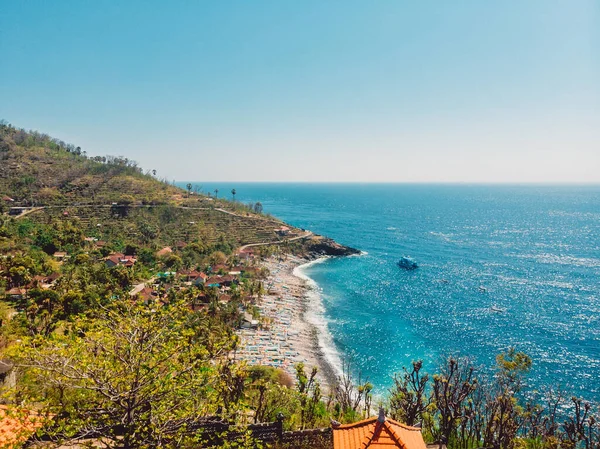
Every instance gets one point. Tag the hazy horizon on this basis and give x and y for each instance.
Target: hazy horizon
(458, 92)
(457, 183)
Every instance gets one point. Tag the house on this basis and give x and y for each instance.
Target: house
(44, 282)
(213, 281)
(129, 261)
(201, 279)
(180, 245)
(248, 322)
(237, 270)
(8, 199)
(283, 231)
(197, 277)
(114, 259)
(220, 281)
(146, 294)
(224, 299)
(164, 252)
(227, 280)
(60, 255)
(245, 254)
(16, 293)
(377, 433)
(219, 268)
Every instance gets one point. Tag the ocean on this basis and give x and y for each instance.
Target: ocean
(499, 267)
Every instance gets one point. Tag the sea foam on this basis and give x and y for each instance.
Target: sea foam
(315, 315)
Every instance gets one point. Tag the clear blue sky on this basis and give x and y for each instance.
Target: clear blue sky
(314, 90)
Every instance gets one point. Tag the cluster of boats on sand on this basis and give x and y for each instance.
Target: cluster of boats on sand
(409, 264)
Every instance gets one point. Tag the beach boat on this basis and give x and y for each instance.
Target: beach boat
(407, 263)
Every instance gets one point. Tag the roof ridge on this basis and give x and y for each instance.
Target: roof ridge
(373, 419)
(358, 423)
(404, 426)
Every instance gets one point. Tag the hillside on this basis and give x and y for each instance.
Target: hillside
(97, 244)
(36, 169)
(112, 199)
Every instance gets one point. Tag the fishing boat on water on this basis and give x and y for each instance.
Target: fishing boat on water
(407, 263)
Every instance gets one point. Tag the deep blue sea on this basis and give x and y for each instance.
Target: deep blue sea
(533, 251)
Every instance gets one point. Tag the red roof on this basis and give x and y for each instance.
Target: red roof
(121, 259)
(214, 280)
(224, 298)
(16, 425)
(377, 433)
(16, 291)
(163, 252)
(193, 274)
(146, 293)
(219, 267)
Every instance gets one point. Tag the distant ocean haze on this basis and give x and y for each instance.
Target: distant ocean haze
(500, 266)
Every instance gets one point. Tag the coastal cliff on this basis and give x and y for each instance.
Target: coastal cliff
(320, 246)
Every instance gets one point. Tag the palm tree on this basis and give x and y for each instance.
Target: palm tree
(233, 192)
(216, 193)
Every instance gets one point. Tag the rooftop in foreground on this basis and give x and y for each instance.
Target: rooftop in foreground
(377, 433)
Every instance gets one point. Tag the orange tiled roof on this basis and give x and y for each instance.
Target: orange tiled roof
(375, 433)
(16, 426)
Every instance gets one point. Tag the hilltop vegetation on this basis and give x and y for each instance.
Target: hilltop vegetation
(40, 170)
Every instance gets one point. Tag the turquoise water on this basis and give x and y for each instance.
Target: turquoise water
(531, 250)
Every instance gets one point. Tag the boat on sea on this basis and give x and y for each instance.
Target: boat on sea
(407, 263)
(498, 309)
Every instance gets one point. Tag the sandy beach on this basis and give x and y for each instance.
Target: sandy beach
(285, 336)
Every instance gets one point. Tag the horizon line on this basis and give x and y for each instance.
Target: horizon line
(504, 183)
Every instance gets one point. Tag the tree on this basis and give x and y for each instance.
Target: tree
(309, 391)
(136, 376)
(189, 188)
(408, 396)
(258, 208)
(512, 366)
(451, 391)
(216, 193)
(233, 192)
(154, 172)
(353, 398)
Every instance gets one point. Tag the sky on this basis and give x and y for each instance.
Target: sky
(314, 90)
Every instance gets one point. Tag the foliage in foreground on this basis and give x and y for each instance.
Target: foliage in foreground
(136, 374)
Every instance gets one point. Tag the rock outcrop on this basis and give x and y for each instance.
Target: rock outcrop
(320, 246)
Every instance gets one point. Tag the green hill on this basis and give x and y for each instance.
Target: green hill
(36, 169)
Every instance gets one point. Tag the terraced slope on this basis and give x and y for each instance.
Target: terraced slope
(168, 225)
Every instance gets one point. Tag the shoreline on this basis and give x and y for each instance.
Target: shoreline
(289, 333)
